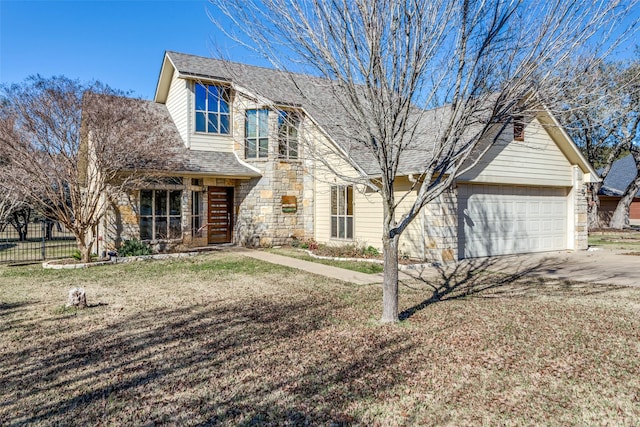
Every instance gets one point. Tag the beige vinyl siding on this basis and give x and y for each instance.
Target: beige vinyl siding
(324, 180)
(368, 218)
(205, 141)
(412, 240)
(535, 161)
(177, 104)
(368, 212)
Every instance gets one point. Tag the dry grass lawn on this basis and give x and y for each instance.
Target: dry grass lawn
(223, 340)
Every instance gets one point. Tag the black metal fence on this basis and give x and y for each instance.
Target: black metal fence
(36, 241)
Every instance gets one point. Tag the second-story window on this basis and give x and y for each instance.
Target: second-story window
(212, 109)
(288, 124)
(256, 134)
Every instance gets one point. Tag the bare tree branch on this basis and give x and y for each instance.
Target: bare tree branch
(68, 146)
(422, 84)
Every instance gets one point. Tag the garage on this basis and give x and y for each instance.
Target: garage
(507, 219)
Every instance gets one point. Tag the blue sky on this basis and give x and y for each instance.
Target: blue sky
(120, 43)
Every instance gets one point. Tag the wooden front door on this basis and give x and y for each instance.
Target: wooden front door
(220, 214)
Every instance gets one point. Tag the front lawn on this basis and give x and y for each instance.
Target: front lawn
(614, 239)
(219, 339)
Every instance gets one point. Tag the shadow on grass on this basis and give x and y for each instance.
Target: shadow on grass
(497, 277)
(10, 309)
(237, 363)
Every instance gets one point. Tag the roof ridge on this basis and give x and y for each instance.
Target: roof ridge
(257, 67)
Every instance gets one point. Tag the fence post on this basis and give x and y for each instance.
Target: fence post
(43, 250)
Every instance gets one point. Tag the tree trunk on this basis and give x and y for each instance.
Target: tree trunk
(85, 250)
(390, 281)
(593, 209)
(620, 217)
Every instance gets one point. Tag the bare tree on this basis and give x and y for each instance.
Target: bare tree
(70, 146)
(391, 62)
(11, 200)
(600, 109)
(620, 217)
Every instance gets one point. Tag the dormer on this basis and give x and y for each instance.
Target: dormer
(200, 105)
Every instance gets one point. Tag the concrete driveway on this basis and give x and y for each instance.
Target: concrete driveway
(594, 266)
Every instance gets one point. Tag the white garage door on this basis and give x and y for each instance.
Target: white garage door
(501, 220)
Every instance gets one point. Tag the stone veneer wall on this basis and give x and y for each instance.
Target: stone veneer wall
(581, 217)
(441, 228)
(122, 222)
(259, 217)
(260, 220)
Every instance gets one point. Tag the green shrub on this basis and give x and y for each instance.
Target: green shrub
(77, 255)
(371, 251)
(134, 247)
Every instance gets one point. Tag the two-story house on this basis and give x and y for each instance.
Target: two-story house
(247, 179)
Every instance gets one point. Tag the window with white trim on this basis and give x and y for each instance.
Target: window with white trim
(212, 109)
(160, 214)
(288, 125)
(342, 212)
(256, 134)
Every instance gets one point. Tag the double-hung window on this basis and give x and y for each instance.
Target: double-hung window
(256, 134)
(288, 125)
(342, 212)
(212, 109)
(160, 214)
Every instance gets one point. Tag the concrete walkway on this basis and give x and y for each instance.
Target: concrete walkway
(314, 267)
(599, 266)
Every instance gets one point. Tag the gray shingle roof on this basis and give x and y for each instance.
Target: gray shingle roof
(217, 163)
(622, 172)
(318, 96)
(185, 160)
(321, 98)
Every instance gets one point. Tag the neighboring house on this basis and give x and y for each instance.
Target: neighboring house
(246, 178)
(622, 172)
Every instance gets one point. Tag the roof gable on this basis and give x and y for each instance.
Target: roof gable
(327, 111)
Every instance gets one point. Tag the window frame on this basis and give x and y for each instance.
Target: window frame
(196, 213)
(289, 121)
(155, 218)
(256, 141)
(222, 96)
(342, 213)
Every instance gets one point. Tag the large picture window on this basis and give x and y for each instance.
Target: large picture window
(160, 214)
(342, 212)
(212, 109)
(256, 134)
(288, 125)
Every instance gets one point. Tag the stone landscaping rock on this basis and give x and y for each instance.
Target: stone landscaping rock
(77, 298)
